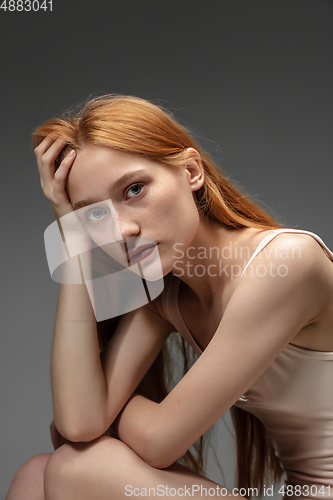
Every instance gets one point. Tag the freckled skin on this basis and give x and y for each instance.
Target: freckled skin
(163, 211)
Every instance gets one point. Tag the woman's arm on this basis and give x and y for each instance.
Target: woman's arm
(77, 379)
(89, 390)
(263, 315)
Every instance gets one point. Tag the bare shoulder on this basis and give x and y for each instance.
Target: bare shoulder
(293, 264)
(300, 250)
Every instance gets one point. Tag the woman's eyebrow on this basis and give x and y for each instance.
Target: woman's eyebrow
(124, 178)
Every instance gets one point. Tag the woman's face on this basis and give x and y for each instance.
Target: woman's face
(132, 199)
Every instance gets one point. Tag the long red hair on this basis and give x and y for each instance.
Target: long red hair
(137, 126)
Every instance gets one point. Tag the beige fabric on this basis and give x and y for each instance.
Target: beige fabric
(293, 398)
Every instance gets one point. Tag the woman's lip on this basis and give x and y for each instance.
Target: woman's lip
(141, 254)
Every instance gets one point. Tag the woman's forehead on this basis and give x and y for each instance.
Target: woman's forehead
(103, 168)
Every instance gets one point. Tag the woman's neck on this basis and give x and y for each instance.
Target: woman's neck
(215, 257)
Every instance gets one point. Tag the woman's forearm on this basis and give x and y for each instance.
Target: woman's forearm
(78, 382)
(135, 427)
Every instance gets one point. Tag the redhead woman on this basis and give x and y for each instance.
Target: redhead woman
(253, 302)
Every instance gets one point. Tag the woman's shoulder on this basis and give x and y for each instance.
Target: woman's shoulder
(291, 242)
(299, 252)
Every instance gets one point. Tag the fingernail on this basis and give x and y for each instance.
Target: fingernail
(71, 153)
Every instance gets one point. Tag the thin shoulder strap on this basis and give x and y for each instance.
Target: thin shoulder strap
(272, 235)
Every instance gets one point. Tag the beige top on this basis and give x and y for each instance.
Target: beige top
(293, 398)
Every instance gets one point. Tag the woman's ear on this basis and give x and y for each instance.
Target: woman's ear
(194, 169)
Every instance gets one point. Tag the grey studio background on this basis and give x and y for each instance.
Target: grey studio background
(252, 78)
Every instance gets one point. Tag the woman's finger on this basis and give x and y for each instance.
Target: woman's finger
(53, 151)
(44, 145)
(46, 160)
(62, 172)
(50, 143)
(59, 181)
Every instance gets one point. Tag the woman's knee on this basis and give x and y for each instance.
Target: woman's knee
(30, 475)
(73, 461)
(34, 467)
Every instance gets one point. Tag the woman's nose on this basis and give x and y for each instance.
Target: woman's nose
(128, 227)
(124, 225)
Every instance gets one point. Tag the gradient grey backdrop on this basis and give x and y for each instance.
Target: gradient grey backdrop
(253, 78)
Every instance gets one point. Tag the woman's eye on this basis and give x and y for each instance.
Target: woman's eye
(95, 215)
(134, 190)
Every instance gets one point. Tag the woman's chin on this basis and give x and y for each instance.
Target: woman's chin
(149, 268)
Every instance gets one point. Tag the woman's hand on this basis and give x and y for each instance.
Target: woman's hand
(54, 187)
(53, 183)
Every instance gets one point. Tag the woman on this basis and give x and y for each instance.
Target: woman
(252, 299)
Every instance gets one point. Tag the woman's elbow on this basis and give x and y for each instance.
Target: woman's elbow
(80, 433)
(155, 452)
